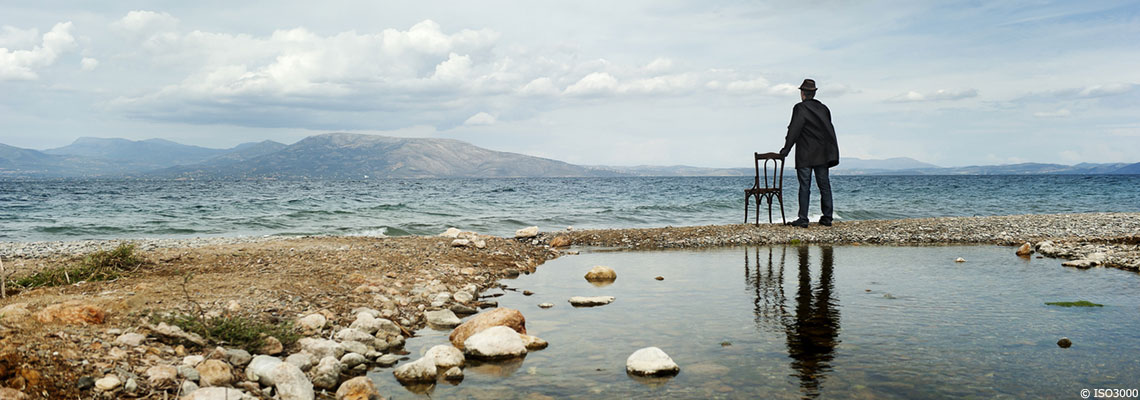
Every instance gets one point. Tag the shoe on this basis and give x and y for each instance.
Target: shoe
(800, 223)
(825, 222)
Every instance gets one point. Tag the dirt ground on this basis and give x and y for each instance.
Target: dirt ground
(272, 281)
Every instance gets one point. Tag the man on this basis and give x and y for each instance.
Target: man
(816, 151)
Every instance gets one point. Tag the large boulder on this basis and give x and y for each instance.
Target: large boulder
(442, 318)
(291, 383)
(651, 361)
(445, 356)
(358, 388)
(422, 370)
(507, 317)
(261, 368)
(601, 273)
(496, 342)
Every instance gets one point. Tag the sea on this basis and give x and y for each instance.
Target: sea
(79, 209)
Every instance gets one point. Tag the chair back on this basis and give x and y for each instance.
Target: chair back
(776, 177)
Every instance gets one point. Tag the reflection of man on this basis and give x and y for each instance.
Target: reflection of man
(814, 334)
(816, 151)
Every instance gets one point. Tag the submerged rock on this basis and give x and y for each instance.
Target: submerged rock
(1025, 249)
(545, 305)
(960, 260)
(533, 342)
(1064, 343)
(651, 361)
(590, 301)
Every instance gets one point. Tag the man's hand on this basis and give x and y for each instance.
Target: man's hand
(784, 152)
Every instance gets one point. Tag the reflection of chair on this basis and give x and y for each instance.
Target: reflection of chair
(773, 185)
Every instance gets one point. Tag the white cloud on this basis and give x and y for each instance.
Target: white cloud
(455, 69)
(146, 22)
(747, 86)
(1111, 89)
(660, 65)
(22, 64)
(594, 84)
(1064, 112)
(88, 64)
(481, 118)
(539, 87)
(15, 38)
(937, 95)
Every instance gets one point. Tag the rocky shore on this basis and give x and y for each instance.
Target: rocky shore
(351, 301)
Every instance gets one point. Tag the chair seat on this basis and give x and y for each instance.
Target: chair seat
(763, 190)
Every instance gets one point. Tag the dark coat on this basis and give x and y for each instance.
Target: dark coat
(813, 135)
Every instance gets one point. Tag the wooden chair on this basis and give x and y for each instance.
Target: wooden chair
(773, 185)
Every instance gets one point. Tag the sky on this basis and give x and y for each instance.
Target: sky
(629, 82)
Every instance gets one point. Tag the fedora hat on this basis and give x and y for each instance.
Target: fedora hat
(809, 85)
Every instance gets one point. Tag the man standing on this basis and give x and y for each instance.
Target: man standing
(816, 151)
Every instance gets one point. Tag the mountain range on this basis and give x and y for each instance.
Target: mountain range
(356, 156)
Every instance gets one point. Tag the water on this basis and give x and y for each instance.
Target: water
(32, 210)
(815, 322)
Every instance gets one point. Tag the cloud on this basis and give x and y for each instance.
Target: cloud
(14, 38)
(479, 119)
(1064, 112)
(594, 84)
(937, 95)
(22, 64)
(1111, 89)
(88, 64)
(146, 22)
(539, 87)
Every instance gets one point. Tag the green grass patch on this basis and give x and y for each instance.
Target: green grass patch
(232, 331)
(98, 266)
(1082, 303)
(794, 242)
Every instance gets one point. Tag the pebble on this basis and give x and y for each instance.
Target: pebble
(590, 301)
(1064, 343)
(545, 305)
(85, 383)
(108, 383)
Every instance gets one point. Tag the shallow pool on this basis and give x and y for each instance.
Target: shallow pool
(814, 322)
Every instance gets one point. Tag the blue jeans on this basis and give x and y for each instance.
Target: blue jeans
(803, 174)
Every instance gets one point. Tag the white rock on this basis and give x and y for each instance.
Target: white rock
(960, 260)
(130, 386)
(442, 318)
(1046, 248)
(601, 273)
(356, 347)
(351, 360)
(460, 243)
(192, 361)
(130, 339)
(108, 383)
(321, 348)
(445, 356)
(260, 369)
(367, 323)
(495, 342)
(590, 301)
(387, 360)
(355, 335)
(463, 296)
(650, 361)
(188, 387)
(422, 370)
(453, 374)
(533, 342)
(291, 383)
(545, 305)
(216, 393)
(302, 360)
(237, 357)
(527, 232)
(188, 372)
(312, 323)
(327, 373)
(358, 310)
(480, 244)
(1097, 258)
(451, 233)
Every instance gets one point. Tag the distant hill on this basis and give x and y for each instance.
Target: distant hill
(138, 155)
(355, 156)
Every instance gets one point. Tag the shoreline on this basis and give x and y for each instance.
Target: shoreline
(48, 349)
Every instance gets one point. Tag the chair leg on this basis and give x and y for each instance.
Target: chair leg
(746, 196)
(782, 216)
(769, 209)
